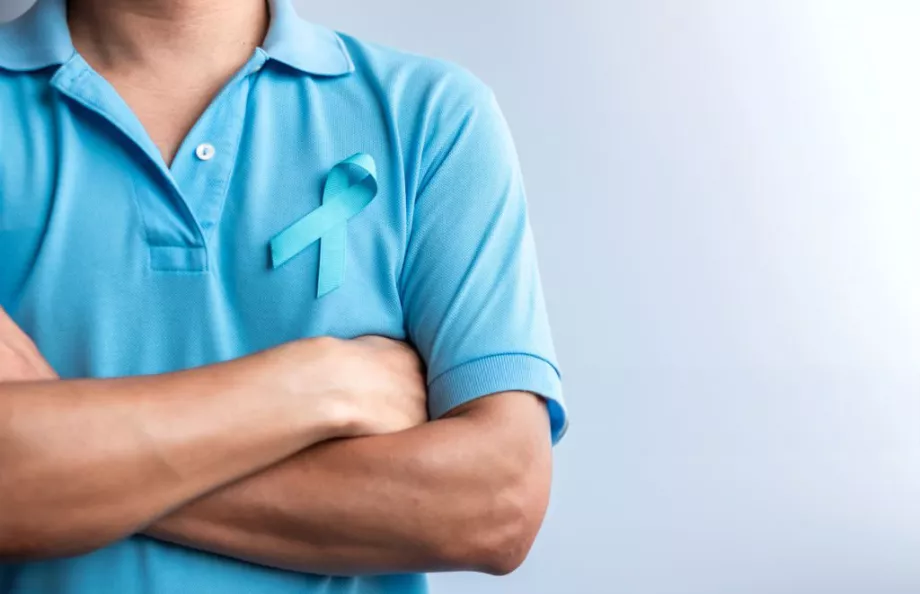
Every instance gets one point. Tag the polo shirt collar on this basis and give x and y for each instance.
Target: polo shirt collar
(41, 39)
(305, 46)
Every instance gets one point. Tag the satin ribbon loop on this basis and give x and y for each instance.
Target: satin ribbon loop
(350, 187)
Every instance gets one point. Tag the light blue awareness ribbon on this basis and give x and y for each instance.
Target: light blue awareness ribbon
(350, 187)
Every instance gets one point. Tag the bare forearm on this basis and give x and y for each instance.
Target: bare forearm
(83, 463)
(461, 493)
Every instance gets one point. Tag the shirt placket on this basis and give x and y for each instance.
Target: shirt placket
(180, 204)
(204, 164)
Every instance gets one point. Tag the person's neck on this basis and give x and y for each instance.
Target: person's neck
(155, 34)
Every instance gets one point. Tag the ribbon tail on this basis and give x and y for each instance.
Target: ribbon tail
(332, 261)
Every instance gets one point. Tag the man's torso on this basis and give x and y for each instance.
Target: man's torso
(118, 265)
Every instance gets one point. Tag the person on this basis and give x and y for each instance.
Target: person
(272, 316)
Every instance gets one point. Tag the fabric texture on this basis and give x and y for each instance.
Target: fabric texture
(118, 264)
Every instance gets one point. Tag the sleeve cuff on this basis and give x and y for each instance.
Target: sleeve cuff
(500, 373)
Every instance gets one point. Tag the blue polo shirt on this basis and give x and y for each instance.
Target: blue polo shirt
(334, 187)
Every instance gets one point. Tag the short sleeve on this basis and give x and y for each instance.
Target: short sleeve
(471, 289)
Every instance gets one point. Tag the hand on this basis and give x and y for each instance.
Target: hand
(365, 386)
(20, 360)
(388, 379)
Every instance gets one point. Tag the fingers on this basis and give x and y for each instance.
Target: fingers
(43, 368)
(18, 367)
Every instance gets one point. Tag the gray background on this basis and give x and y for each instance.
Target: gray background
(725, 198)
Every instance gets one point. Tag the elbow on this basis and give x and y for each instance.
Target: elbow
(497, 512)
(505, 555)
(499, 539)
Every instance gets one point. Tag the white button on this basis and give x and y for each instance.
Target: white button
(205, 151)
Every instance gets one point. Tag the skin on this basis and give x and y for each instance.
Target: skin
(467, 492)
(88, 462)
(358, 484)
(167, 59)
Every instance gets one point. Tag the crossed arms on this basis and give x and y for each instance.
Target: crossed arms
(315, 456)
(318, 456)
